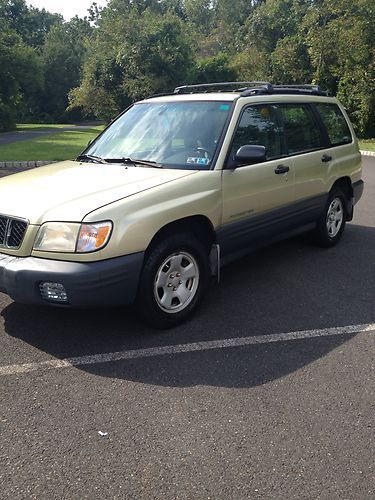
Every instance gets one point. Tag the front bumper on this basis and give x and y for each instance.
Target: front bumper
(110, 282)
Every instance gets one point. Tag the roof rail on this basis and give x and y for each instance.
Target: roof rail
(185, 89)
(309, 88)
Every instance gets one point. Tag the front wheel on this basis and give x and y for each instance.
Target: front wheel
(174, 277)
(331, 224)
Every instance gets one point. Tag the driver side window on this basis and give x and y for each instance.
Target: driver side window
(259, 126)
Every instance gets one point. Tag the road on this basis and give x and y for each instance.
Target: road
(95, 405)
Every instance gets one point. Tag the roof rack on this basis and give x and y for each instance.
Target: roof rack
(252, 88)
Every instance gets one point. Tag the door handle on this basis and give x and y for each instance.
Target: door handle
(281, 169)
(326, 158)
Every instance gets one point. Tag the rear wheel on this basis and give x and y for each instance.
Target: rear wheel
(174, 277)
(331, 224)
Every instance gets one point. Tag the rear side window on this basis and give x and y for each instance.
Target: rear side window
(335, 123)
(301, 130)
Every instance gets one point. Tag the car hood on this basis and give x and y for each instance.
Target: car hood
(69, 190)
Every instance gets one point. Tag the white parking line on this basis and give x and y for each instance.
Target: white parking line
(182, 348)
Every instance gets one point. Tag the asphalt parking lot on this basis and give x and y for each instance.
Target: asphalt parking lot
(96, 405)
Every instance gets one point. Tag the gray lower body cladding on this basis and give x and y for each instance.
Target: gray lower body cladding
(110, 282)
(240, 238)
(260, 230)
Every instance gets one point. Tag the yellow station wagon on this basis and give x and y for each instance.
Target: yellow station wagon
(176, 187)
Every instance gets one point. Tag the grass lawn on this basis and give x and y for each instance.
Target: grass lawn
(367, 144)
(57, 146)
(35, 127)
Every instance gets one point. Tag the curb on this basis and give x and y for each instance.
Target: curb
(367, 153)
(25, 164)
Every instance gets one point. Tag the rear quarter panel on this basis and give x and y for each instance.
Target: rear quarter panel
(348, 160)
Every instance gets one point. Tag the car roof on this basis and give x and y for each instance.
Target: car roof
(231, 97)
(204, 96)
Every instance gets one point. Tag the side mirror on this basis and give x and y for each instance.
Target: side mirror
(249, 154)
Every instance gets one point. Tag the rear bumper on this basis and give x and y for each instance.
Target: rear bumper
(111, 282)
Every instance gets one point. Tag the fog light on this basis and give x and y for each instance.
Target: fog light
(53, 292)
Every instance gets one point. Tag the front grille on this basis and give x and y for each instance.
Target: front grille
(12, 231)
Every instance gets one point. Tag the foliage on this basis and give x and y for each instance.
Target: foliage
(30, 23)
(133, 48)
(41, 60)
(213, 69)
(22, 36)
(328, 42)
(21, 76)
(134, 53)
(63, 54)
(9, 88)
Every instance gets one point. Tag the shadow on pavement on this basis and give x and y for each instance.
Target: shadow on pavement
(287, 287)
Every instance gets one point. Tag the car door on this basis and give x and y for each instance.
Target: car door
(253, 194)
(307, 144)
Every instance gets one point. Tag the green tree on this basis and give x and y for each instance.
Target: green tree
(328, 42)
(63, 55)
(21, 76)
(138, 47)
(199, 15)
(290, 62)
(233, 12)
(133, 54)
(9, 88)
(30, 23)
(273, 20)
(251, 64)
(212, 69)
(340, 37)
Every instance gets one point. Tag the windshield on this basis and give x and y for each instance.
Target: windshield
(173, 134)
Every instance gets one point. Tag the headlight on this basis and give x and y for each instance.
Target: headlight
(57, 237)
(69, 237)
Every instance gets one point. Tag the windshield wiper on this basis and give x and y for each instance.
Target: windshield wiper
(145, 163)
(93, 158)
(127, 160)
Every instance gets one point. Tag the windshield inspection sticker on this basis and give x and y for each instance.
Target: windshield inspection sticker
(198, 160)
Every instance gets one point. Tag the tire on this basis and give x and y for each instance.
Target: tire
(174, 277)
(331, 224)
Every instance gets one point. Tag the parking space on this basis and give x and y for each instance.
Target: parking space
(267, 393)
